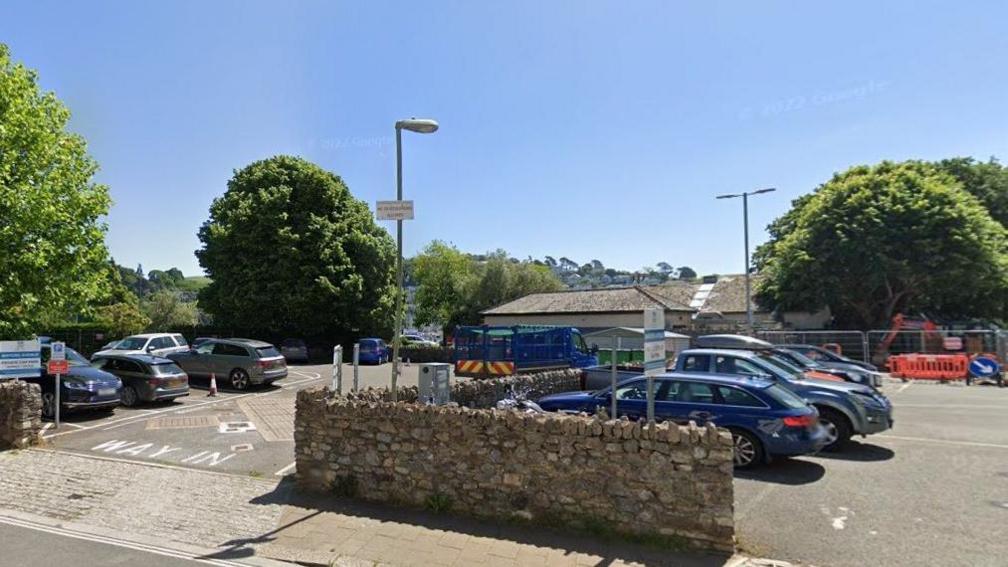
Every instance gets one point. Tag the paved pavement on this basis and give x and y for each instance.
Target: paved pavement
(932, 491)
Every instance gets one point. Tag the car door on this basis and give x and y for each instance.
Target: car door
(738, 407)
(631, 399)
(162, 346)
(226, 357)
(132, 374)
(195, 363)
(692, 401)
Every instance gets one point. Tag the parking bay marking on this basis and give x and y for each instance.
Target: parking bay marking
(945, 441)
(136, 449)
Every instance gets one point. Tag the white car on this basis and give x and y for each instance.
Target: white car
(158, 344)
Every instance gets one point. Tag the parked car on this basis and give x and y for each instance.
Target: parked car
(848, 372)
(416, 340)
(241, 362)
(145, 378)
(765, 419)
(827, 357)
(199, 340)
(111, 344)
(294, 349)
(749, 343)
(845, 408)
(81, 388)
(373, 351)
(158, 344)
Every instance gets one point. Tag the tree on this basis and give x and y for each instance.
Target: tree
(877, 240)
(665, 268)
(987, 181)
(686, 273)
(168, 312)
(443, 275)
(123, 318)
(288, 248)
(550, 261)
(53, 259)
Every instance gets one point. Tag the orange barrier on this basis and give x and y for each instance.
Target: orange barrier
(929, 366)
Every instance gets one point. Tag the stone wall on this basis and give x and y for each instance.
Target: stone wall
(665, 482)
(484, 393)
(20, 414)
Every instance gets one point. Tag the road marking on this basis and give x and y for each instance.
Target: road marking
(312, 375)
(47, 426)
(115, 541)
(286, 469)
(945, 441)
(905, 386)
(950, 406)
(762, 494)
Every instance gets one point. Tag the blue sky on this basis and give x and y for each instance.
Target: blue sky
(586, 129)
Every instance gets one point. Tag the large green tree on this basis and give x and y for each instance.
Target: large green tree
(454, 287)
(877, 240)
(288, 248)
(53, 259)
(987, 181)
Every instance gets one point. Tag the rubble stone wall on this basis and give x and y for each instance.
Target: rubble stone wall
(20, 414)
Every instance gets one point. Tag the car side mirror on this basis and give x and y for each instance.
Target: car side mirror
(150, 349)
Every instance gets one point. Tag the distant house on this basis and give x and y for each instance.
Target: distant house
(592, 309)
(720, 303)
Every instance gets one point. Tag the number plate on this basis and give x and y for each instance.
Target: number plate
(106, 392)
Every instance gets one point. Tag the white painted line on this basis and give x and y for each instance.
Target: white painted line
(952, 406)
(312, 375)
(905, 386)
(192, 407)
(157, 550)
(285, 470)
(47, 426)
(943, 441)
(73, 425)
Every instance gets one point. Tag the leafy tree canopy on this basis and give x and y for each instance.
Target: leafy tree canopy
(168, 312)
(53, 259)
(288, 248)
(454, 287)
(877, 240)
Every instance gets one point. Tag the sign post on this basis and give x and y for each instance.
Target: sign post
(57, 366)
(394, 210)
(612, 392)
(654, 352)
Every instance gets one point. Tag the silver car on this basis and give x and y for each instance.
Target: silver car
(239, 362)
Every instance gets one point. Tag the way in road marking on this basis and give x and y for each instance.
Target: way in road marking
(136, 449)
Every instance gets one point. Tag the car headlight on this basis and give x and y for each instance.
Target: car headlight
(75, 385)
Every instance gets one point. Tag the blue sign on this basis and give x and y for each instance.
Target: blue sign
(984, 367)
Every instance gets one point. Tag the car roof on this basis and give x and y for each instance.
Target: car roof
(741, 353)
(731, 342)
(372, 339)
(152, 335)
(145, 358)
(720, 379)
(250, 342)
(802, 345)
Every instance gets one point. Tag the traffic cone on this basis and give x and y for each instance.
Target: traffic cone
(213, 385)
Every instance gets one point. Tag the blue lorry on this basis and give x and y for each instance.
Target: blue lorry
(487, 351)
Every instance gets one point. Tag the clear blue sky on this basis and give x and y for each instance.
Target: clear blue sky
(586, 129)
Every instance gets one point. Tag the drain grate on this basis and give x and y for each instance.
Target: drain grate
(235, 427)
(182, 422)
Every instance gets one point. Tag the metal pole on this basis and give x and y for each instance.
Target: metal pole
(745, 229)
(335, 366)
(339, 372)
(57, 409)
(650, 399)
(612, 392)
(399, 270)
(356, 364)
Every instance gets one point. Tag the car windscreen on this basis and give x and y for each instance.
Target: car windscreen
(784, 396)
(801, 358)
(268, 352)
(782, 366)
(165, 369)
(74, 358)
(131, 343)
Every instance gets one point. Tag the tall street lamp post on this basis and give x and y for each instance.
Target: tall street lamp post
(745, 229)
(420, 126)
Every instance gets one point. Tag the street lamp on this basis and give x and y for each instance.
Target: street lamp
(420, 126)
(745, 225)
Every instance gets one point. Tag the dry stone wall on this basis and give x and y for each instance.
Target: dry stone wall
(663, 481)
(20, 414)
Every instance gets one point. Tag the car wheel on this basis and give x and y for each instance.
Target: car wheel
(129, 397)
(48, 405)
(746, 449)
(239, 379)
(838, 429)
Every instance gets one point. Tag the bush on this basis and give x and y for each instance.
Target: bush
(423, 353)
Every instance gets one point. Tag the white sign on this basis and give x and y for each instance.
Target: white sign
(20, 359)
(654, 340)
(394, 210)
(58, 351)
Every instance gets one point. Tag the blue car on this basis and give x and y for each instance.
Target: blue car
(373, 351)
(83, 387)
(764, 418)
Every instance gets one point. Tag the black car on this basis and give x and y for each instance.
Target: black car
(82, 387)
(145, 377)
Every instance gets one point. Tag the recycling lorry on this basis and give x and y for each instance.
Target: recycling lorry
(489, 351)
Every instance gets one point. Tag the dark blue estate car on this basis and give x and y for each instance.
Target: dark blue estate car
(83, 387)
(764, 418)
(374, 351)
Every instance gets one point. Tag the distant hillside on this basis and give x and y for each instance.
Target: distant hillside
(193, 283)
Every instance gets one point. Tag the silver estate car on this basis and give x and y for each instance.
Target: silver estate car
(239, 363)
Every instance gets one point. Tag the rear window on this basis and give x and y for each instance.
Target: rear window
(165, 369)
(367, 347)
(180, 340)
(268, 352)
(785, 396)
(696, 363)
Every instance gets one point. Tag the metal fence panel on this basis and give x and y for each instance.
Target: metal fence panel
(881, 344)
(852, 343)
